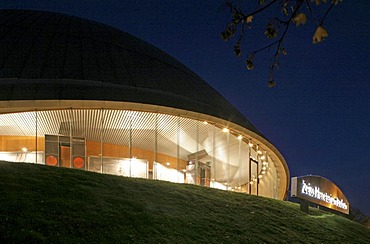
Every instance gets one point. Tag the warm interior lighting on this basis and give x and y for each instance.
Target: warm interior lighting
(24, 149)
(263, 157)
(260, 176)
(264, 163)
(264, 168)
(240, 137)
(263, 172)
(259, 152)
(51, 160)
(168, 163)
(225, 130)
(251, 182)
(250, 144)
(78, 162)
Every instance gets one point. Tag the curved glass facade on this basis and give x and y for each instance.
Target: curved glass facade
(141, 144)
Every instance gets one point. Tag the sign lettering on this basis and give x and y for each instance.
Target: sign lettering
(316, 193)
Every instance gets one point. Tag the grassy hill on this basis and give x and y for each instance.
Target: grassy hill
(47, 204)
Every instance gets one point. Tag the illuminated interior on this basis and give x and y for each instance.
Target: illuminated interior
(141, 144)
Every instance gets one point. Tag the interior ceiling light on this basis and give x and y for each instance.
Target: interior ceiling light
(24, 149)
(259, 152)
(263, 157)
(250, 144)
(240, 137)
(225, 130)
(205, 122)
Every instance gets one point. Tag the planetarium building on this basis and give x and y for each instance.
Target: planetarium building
(79, 94)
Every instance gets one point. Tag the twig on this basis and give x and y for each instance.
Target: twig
(327, 12)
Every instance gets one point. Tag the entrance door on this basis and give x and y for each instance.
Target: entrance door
(65, 155)
(253, 177)
(205, 175)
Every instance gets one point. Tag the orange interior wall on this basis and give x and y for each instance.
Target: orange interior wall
(15, 143)
(93, 148)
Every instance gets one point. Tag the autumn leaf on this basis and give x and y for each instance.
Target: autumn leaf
(249, 19)
(300, 19)
(271, 31)
(237, 50)
(320, 35)
(249, 63)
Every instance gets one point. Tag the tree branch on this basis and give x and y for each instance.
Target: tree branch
(289, 9)
(244, 16)
(275, 63)
(327, 12)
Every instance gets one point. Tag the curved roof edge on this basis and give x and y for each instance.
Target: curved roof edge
(43, 89)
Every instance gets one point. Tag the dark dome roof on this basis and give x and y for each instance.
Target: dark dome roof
(57, 56)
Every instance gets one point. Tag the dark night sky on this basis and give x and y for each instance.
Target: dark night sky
(318, 115)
